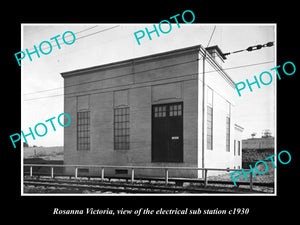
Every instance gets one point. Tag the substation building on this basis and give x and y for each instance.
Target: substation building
(171, 109)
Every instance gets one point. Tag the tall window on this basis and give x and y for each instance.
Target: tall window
(209, 119)
(228, 127)
(121, 128)
(209, 127)
(227, 134)
(234, 149)
(83, 130)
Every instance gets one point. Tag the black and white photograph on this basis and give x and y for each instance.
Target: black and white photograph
(134, 112)
(168, 108)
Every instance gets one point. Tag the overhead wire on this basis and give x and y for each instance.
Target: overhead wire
(89, 28)
(128, 73)
(251, 48)
(212, 34)
(54, 45)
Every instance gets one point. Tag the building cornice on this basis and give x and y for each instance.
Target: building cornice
(130, 61)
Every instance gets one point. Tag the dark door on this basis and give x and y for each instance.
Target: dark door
(167, 132)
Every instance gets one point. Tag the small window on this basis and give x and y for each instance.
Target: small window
(160, 111)
(175, 110)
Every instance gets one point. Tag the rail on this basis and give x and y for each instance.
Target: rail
(133, 168)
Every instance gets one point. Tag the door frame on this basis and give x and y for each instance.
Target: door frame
(169, 138)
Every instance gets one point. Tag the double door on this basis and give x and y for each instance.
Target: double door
(167, 132)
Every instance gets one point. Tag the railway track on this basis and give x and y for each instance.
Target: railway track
(77, 186)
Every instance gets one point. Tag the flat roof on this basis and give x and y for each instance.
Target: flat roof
(198, 48)
(128, 61)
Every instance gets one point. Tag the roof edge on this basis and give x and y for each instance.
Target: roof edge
(129, 61)
(217, 66)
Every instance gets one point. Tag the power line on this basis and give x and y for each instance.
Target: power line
(89, 28)
(211, 36)
(252, 48)
(236, 67)
(54, 45)
(106, 29)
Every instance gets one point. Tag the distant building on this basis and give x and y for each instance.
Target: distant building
(259, 143)
(237, 148)
(145, 112)
(49, 153)
(25, 145)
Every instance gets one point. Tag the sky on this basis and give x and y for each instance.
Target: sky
(96, 44)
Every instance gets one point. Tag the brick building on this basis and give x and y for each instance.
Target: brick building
(150, 111)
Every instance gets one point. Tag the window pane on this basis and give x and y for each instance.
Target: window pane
(209, 97)
(121, 128)
(209, 127)
(83, 127)
(209, 110)
(227, 134)
(209, 144)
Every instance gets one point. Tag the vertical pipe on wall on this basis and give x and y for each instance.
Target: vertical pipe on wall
(76, 172)
(52, 172)
(31, 171)
(132, 175)
(166, 176)
(102, 174)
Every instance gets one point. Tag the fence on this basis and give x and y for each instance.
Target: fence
(132, 168)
